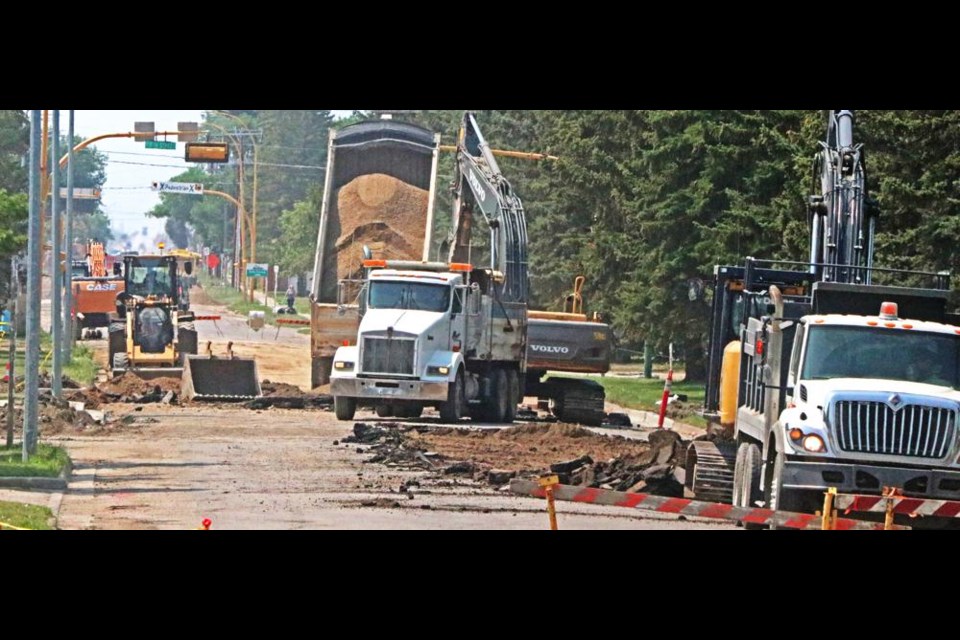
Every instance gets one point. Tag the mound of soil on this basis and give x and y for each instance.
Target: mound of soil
(128, 384)
(526, 448)
(381, 212)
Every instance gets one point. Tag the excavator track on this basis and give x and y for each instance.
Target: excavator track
(709, 470)
(578, 401)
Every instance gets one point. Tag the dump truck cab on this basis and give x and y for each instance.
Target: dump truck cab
(871, 402)
(432, 334)
(411, 324)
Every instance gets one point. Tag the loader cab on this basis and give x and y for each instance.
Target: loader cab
(151, 276)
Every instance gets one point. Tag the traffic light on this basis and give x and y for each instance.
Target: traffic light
(208, 152)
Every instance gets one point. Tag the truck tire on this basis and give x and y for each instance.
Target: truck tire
(320, 369)
(775, 496)
(453, 409)
(495, 408)
(384, 411)
(746, 479)
(513, 395)
(344, 408)
(411, 411)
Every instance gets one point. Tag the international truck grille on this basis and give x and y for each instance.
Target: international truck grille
(388, 356)
(911, 430)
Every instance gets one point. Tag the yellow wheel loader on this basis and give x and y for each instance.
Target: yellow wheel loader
(152, 337)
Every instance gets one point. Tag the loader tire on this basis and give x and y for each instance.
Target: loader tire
(120, 361)
(186, 342)
(117, 339)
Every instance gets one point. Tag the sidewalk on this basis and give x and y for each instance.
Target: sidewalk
(268, 301)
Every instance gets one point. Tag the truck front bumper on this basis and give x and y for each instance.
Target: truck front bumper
(871, 479)
(373, 390)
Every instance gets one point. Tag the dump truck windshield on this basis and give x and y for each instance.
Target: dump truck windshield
(891, 354)
(410, 296)
(150, 278)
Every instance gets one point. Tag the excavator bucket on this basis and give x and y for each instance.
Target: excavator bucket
(229, 379)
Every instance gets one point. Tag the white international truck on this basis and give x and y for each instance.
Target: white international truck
(831, 373)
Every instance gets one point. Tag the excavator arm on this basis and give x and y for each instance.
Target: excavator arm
(842, 217)
(481, 189)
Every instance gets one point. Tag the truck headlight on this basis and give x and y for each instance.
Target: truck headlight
(343, 366)
(438, 371)
(814, 444)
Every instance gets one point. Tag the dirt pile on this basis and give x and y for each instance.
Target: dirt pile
(287, 396)
(54, 417)
(577, 455)
(127, 387)
(383, 213)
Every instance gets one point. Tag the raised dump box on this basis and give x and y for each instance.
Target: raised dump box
(220, 379)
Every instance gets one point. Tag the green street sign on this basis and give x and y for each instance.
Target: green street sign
(257, 270)
(161, 144)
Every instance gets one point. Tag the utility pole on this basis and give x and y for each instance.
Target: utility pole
(68, 247)
(34, 248)
(12, 373)
(56, 294)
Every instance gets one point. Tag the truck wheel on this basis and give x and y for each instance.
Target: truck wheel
(413, 411)
(513, 395)
(384, 411)
(737, 469)
(502, 396)
(320, 369)
(453, 409)
(776, 497)
(746, 480)
(344, 408)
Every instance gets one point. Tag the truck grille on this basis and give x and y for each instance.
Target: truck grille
(390, 356)
(911, 430)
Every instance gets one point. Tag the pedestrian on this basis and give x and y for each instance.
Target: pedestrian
(291, 297)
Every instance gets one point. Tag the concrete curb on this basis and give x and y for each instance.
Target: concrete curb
(44, 484)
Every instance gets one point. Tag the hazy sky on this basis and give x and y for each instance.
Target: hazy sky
(131, 167)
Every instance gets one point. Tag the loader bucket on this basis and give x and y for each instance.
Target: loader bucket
(220, 379)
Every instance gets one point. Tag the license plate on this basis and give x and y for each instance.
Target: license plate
(387, 391)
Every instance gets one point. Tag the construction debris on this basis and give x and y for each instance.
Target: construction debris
(577, 455)
(286, 396)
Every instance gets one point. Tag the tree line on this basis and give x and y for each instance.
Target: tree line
(643, 203)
